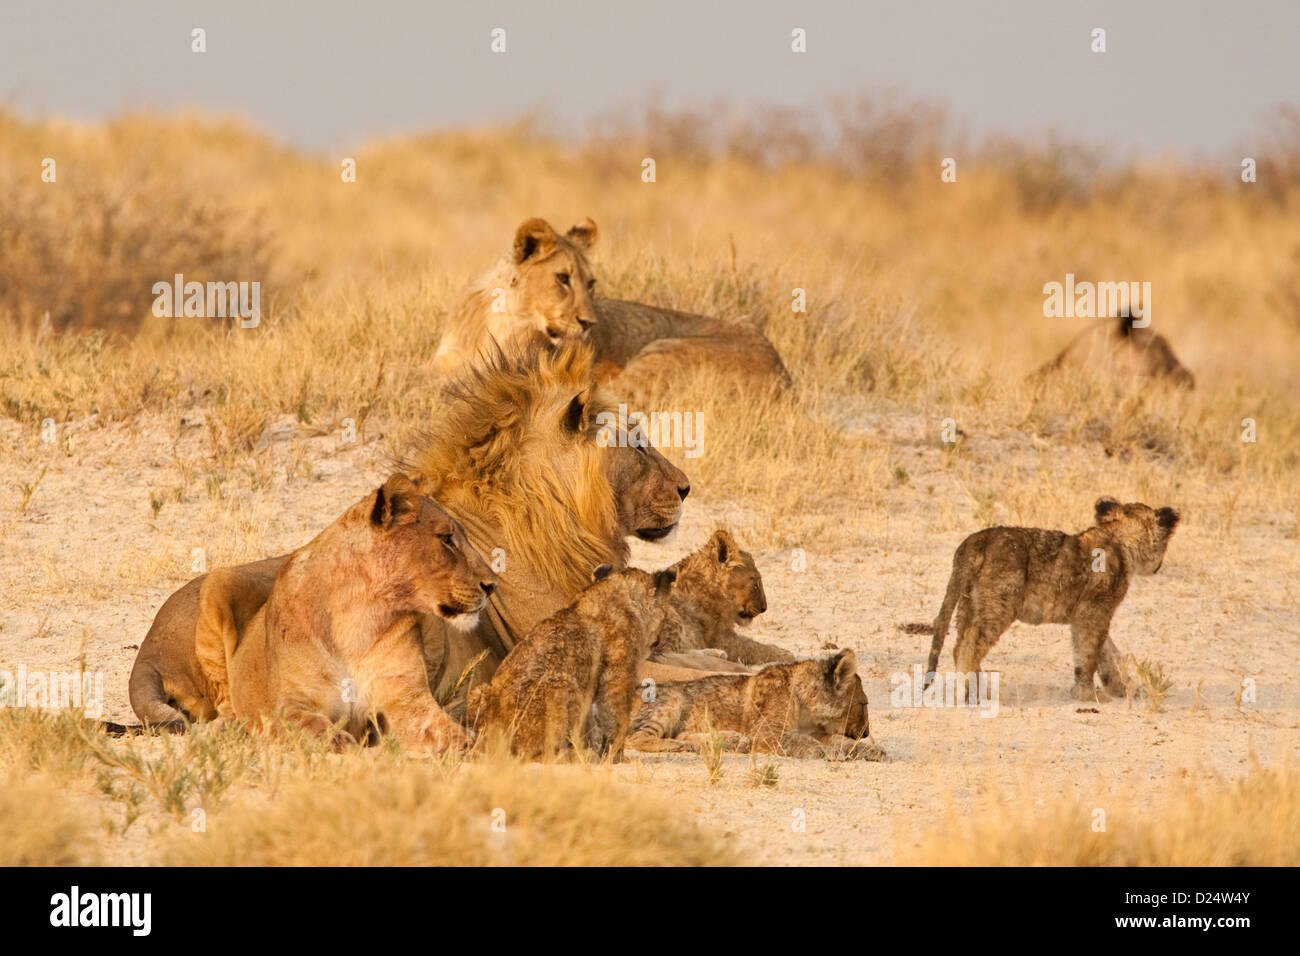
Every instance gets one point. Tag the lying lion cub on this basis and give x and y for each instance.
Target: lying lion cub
(333, 649)
(573, 678)
(718, 588)
(814, 708)
(1001, 575)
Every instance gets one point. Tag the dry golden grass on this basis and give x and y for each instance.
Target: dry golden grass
(432, 814)
(1251, 821)
(924, 302)
(225, 796)
(63, 836)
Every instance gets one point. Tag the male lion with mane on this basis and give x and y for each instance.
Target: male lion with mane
(544, 292)
(513, 455)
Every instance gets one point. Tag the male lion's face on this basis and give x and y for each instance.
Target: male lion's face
(1143, 531)
(426, 558)
(552, 284)
(835, 698)
(648, 490)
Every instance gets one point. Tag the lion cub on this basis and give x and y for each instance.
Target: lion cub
(718, 589)
(333, 649)
(573, 678)
(812, 708)
(1001, 575)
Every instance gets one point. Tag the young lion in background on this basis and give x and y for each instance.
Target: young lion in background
(1001, 575)
(333, 649)
(543, 291)
(573, 678)
(718, 589)
(812, 708)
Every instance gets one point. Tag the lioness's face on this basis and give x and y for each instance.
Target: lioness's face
(553, 285)
(428, 561)
(1144, 531)
(648, 490)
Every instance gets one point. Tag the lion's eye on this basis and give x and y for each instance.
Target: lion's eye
(449, 541)
(591, 285)
(562, 278)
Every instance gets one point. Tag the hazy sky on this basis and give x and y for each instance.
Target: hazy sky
(1186, 77)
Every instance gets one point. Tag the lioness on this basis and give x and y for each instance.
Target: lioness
(543, 291)
(1001, 575)
(333, 649)
(513, 454)
(718, 588)
(812, 708)
(1116, 347)
(574, 677)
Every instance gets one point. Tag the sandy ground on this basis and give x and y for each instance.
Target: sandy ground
(85, 565)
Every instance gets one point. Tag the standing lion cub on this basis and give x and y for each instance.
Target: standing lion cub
(1001, 575)
(573, 678)
(333, 650)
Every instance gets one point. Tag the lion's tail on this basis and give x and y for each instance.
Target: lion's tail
(961, 574)
(150, 700)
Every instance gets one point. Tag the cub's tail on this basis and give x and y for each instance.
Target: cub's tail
(964, 564)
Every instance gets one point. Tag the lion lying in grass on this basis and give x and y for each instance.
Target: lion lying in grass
(544, 292)
(812, 708)
(334, 649)
(573, 679)
(513, 455)
(1115, 347)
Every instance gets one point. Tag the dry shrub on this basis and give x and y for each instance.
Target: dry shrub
(39, 741)
(87, 249)
(424, 813)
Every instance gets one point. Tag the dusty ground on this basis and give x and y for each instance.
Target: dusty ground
(85, 561)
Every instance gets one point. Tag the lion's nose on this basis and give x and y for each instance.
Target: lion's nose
(488, 587)
(683, 491)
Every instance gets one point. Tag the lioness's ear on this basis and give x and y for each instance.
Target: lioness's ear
(602, 572)
(583, 234)
(533, 238)
(575, 415)
(395, 502)
(1168, 518)
(1104, 507)
(663, 581)
(845, 666)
